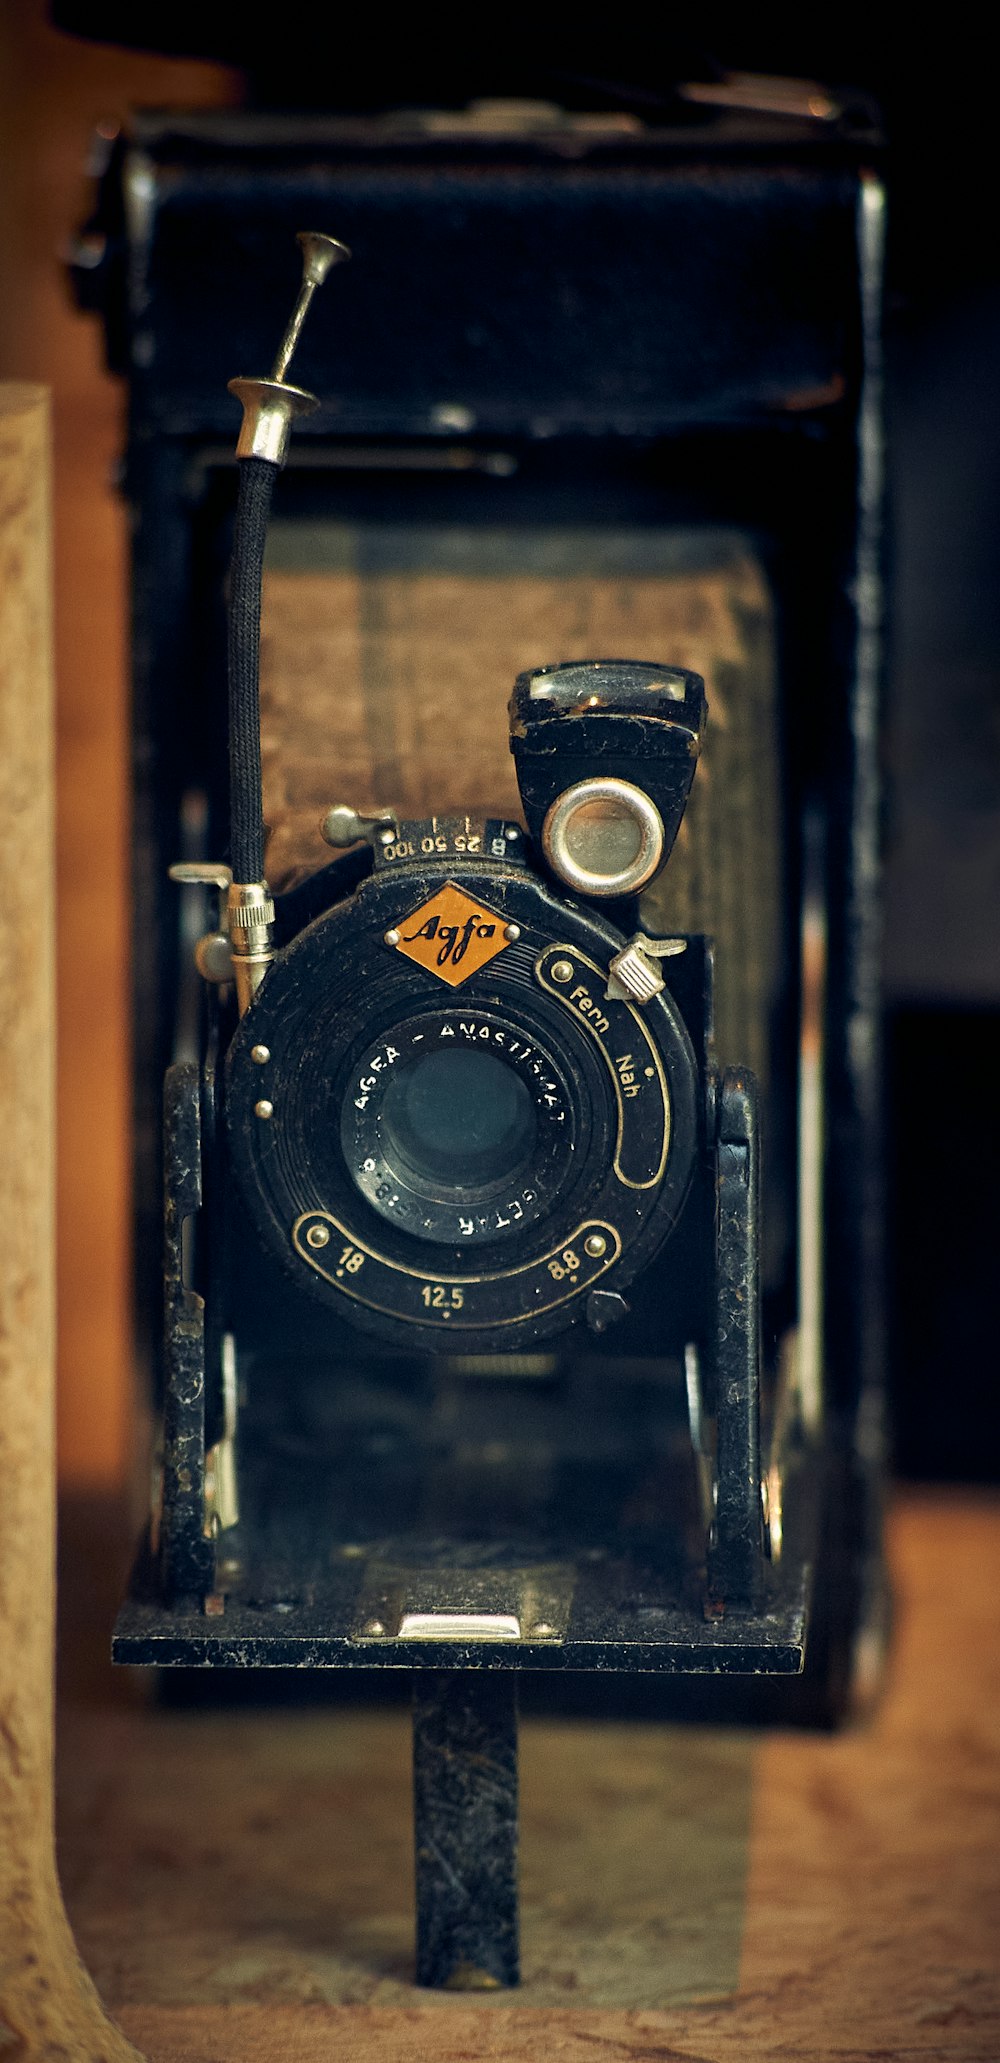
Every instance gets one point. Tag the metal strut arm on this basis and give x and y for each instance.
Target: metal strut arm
(736, 1550)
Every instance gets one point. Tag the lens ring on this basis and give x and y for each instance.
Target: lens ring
(609, 816)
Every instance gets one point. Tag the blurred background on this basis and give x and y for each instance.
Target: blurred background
(61, 92)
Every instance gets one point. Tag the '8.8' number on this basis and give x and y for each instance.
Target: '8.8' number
(567, 1264)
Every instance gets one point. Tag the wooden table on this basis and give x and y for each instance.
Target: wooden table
(240, 1880)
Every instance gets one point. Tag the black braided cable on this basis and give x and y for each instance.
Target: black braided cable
(246, 807)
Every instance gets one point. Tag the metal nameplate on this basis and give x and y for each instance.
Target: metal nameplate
(465, 1605)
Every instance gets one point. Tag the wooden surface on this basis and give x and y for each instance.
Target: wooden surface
(240, 1881)
(47, 2006)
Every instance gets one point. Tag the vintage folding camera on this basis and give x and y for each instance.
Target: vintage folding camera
(455, 1098)
(520, 1158)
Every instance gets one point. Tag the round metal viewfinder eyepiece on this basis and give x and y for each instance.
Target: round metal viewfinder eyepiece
(603, 838)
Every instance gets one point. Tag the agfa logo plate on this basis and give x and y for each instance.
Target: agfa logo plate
(451, 935)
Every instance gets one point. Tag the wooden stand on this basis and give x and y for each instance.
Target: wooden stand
(48, 2006)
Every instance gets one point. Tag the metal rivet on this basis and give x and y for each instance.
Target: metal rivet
(264, 1108)
(542, 1631)
(392, 937)
(374, 1627)
(387, 837)
(595, 1245)
(512, 931)
(261, 1054)
(561, 970)
(318, 1235)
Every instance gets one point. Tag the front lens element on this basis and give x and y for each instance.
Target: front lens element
(458, 1127)
(459, 1120)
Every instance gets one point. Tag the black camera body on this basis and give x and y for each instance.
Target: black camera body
(467, 1109)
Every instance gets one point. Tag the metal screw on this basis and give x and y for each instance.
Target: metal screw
(374, 1627)
(318, 1235)
(512, 931)
(561, 970)
(213, 957)
(264, 1108)
(595, 1245)
(392, 937)
(261, 1054)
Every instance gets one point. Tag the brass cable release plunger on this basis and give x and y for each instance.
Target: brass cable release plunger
(269, 406)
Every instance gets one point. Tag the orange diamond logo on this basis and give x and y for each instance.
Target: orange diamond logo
(451, 935)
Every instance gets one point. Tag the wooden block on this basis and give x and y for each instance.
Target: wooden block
(48, 2007)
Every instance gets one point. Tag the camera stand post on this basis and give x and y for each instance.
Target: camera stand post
(465, 1824)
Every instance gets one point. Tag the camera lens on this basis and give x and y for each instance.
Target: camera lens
(458, 1119)
(458, 1126)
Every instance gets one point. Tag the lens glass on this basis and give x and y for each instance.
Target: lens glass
(603, 837)
(458, 1126)
(458, 1120)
